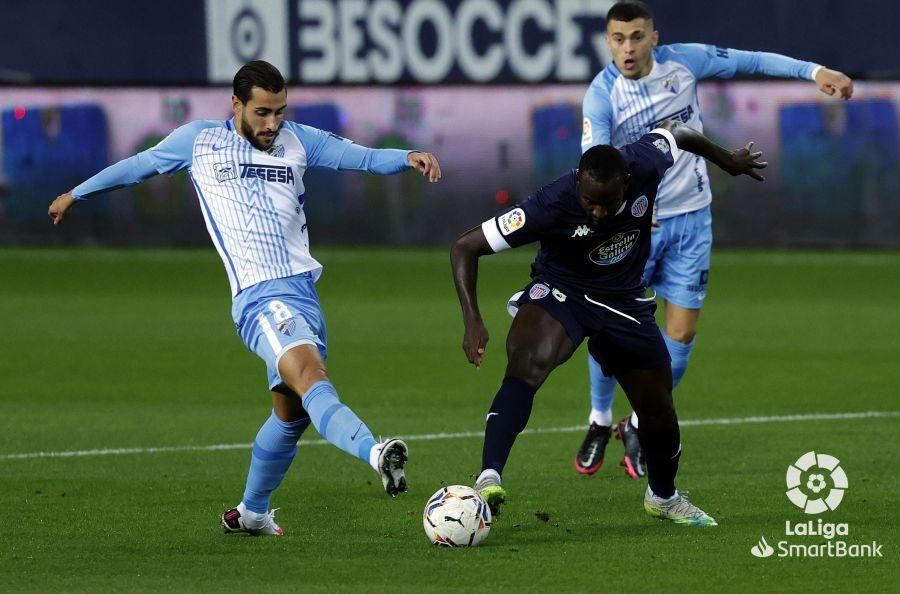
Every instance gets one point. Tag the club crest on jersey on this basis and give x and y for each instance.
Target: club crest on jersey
(268, 173)
(662, 144)
(287, 327)
(224, 172)
(615, 248)
(639, 207)
(671, 85)
(511, 221)
(538, 291)
(276, 150)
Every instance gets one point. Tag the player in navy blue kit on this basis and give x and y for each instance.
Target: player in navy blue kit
(647, 83)
(593, 225)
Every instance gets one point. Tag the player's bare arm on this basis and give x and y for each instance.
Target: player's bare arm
(834, 83)
(426, 164)
(59, 208)
(470, 246)
(741, 161)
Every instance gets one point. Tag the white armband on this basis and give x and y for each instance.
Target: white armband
(493, 236)
(673, 146)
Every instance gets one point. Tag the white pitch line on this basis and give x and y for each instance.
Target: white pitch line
(459, 435)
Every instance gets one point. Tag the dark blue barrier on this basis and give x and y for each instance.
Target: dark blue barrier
(48, 149)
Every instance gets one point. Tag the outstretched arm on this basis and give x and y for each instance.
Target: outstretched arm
(126, 172)
(328, 150)
(172, 154)
(707, 61)
(737, 162)
(830, 82)
(470, 246)
(386, 161)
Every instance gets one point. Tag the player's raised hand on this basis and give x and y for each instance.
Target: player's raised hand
(60, 207)
(744, 161)
(834, 83)
(426, 164)
(474, 342)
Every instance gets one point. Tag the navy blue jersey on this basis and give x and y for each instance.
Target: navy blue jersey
(607, 258)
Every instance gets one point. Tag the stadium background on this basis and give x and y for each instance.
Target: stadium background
(493, 87)
(128, 403)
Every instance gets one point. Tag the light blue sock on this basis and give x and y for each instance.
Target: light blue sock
(273, 451)
(602, 389)
(336, 422)
(681, 354)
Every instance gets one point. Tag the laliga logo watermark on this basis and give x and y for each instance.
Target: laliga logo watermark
(819, 470)
(816, 484)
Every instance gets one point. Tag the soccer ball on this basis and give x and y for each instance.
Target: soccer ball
(456, 516)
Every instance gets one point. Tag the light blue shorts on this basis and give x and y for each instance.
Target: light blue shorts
(678, 266)
(276, 315)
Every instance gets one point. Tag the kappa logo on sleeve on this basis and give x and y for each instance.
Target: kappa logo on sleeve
(586, 135)
(511, 221)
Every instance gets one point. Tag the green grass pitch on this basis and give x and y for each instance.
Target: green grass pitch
(105, 349)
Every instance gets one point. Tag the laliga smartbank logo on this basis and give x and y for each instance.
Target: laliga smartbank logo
(825, 482)
(762, 549)
(816, 484)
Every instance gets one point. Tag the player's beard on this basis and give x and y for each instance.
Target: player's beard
(252, 138)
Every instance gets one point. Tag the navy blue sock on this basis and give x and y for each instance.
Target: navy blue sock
(507, 418)
(661, 443)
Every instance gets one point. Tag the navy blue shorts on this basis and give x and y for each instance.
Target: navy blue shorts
(621, 332)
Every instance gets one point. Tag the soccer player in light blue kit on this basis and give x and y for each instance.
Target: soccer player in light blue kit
(647, 84)
(248, 173)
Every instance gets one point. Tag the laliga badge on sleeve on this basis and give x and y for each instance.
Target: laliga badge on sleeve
(511, 221)
(586, 135)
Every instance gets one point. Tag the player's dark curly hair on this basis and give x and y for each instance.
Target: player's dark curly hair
(628, 11)
(602, 162)
(257, 73)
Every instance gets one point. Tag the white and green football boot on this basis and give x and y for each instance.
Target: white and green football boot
(488, 486)
(677, 509)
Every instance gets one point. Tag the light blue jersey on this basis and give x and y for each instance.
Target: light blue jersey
(618, 110)
(252, 200)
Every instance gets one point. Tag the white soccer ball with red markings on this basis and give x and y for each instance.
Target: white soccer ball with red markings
(457, 516)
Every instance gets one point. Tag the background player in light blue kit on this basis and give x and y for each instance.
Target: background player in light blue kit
(248, 173)
(646, 85)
